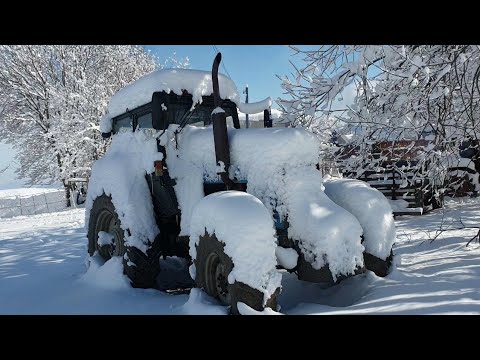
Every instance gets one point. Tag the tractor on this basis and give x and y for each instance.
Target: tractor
(181, 179)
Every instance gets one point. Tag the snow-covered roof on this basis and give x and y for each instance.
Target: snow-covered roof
(196, 82)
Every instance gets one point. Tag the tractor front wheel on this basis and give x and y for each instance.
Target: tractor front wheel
(212, 269)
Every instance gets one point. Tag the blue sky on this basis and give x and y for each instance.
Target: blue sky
(7, 163)
(255, 65)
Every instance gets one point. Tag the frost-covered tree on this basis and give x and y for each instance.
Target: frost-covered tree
(52, 98)
(401, 93)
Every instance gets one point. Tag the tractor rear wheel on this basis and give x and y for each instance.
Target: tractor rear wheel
(103, 217)
(141, 269)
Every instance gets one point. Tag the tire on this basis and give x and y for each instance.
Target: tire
(103, 217)
(80, 198)
(437, 203)
(434, 201)
(212, 269)
(306, 272)
(141, 269)
(378, 266)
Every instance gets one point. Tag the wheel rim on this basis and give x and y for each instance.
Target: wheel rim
(216, 279)
(107, 221)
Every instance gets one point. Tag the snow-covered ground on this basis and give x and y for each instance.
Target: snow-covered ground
(43, 271)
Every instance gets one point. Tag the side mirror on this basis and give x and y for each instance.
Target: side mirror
(159, 110)
(106, 135)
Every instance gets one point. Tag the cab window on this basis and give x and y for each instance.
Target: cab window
(145, 121)
(123, 124)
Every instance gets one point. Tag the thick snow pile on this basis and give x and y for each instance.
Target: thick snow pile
(107, 275)
(121, 175)
(263, 156)
(370, 207)
(286, 257)
(280, 167)
(244, 309)
(200, 303)
(196, 82)
(242, 223)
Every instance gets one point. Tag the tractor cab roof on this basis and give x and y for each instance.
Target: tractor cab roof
(178, 81)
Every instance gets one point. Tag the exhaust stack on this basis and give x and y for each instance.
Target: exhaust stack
(220, 135)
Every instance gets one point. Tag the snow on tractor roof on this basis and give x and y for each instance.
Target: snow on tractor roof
(197, 82)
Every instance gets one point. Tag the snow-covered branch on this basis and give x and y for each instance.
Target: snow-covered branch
(420, 92)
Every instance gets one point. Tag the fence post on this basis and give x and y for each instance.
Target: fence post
(46, 201)
(394, 195)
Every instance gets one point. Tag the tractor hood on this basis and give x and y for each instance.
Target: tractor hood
(253, 151)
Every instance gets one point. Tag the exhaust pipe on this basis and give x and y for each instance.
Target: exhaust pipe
(220, 135)
(267, 119)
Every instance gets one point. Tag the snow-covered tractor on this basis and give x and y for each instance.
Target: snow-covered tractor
(238, 204)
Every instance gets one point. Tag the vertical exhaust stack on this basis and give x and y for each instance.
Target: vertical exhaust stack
(267, 119)
(220, 135)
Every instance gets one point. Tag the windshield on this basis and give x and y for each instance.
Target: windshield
(182, 113)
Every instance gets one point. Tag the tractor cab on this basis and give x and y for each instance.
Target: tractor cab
(170, 108)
